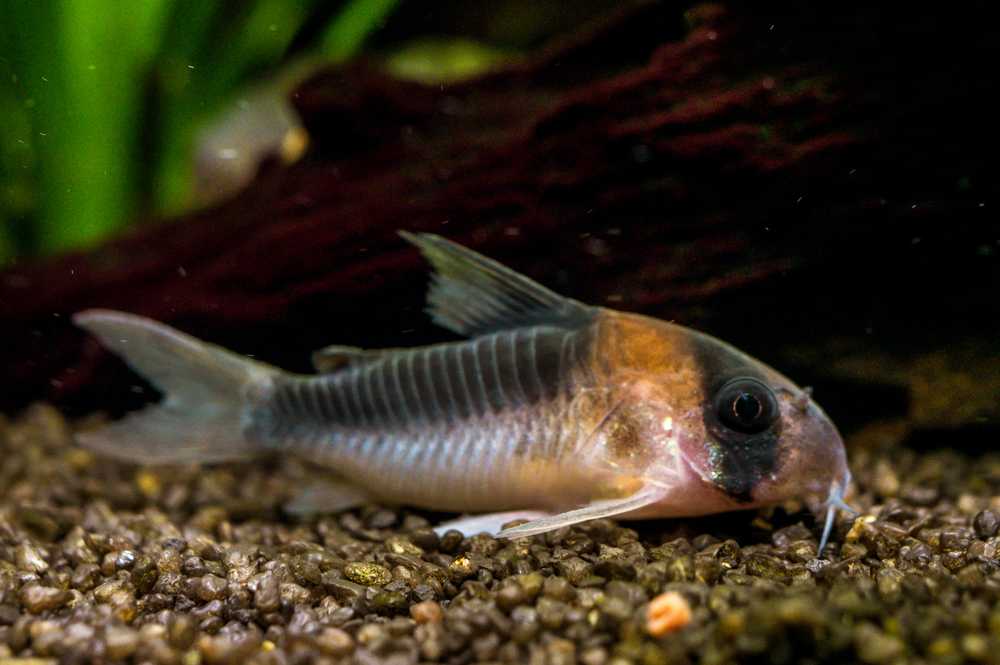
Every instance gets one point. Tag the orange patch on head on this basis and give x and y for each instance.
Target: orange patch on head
(667, 613)
(657, 354)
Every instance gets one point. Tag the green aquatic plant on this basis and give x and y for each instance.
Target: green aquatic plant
(101, 104)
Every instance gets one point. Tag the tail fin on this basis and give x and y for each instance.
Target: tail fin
(204, 409)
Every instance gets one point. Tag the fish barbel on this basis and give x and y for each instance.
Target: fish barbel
(552, 410)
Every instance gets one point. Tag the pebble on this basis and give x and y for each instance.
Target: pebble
(451, 541)
(210, 587)
(389, 602)
(267, 597)
(28, 557)
(668, 612)
(876, 647)
(228, 648)
(427, 611)
(561, 652)
(510, 596)
(368, 574)
(462, 568)
(120, 642)
(195, 573)
(551, 613)
(37, 599)
(986, 523)
(335, 642)
(525, 624)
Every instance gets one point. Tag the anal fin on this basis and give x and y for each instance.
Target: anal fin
(647, 495)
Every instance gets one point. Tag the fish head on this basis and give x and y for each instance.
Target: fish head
(726, 430)
(762, 439)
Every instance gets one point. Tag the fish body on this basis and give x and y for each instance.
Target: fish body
(571, 411)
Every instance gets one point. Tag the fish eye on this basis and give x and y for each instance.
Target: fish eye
(746, 405)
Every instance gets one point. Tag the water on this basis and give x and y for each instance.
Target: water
(815, 186)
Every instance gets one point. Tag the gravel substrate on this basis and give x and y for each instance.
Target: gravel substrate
(107, 562)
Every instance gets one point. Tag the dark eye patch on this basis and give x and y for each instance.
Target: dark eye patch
(737, 466)
(741, 416)
(743, 421)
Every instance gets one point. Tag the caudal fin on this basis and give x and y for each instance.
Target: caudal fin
(204, 408)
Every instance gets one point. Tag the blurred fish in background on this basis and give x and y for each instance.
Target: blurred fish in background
(230, 148)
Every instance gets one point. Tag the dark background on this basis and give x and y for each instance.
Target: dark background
(816, 185)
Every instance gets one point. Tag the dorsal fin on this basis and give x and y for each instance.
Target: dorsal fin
(472, 295)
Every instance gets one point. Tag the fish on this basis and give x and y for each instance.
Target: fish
(550, 412)
(261, 124)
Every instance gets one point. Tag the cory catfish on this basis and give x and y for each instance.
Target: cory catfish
(552, 411)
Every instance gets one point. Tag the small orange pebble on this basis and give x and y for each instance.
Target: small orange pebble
(667, 613)
(426, 612)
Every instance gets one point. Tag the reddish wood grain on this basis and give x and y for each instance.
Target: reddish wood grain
(761, 174)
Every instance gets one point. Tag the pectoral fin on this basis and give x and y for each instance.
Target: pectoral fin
(491, 523)
(645, 496)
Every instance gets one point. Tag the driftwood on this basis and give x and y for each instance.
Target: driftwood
(775, 178)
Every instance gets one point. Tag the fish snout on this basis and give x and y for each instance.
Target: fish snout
(813, 449)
